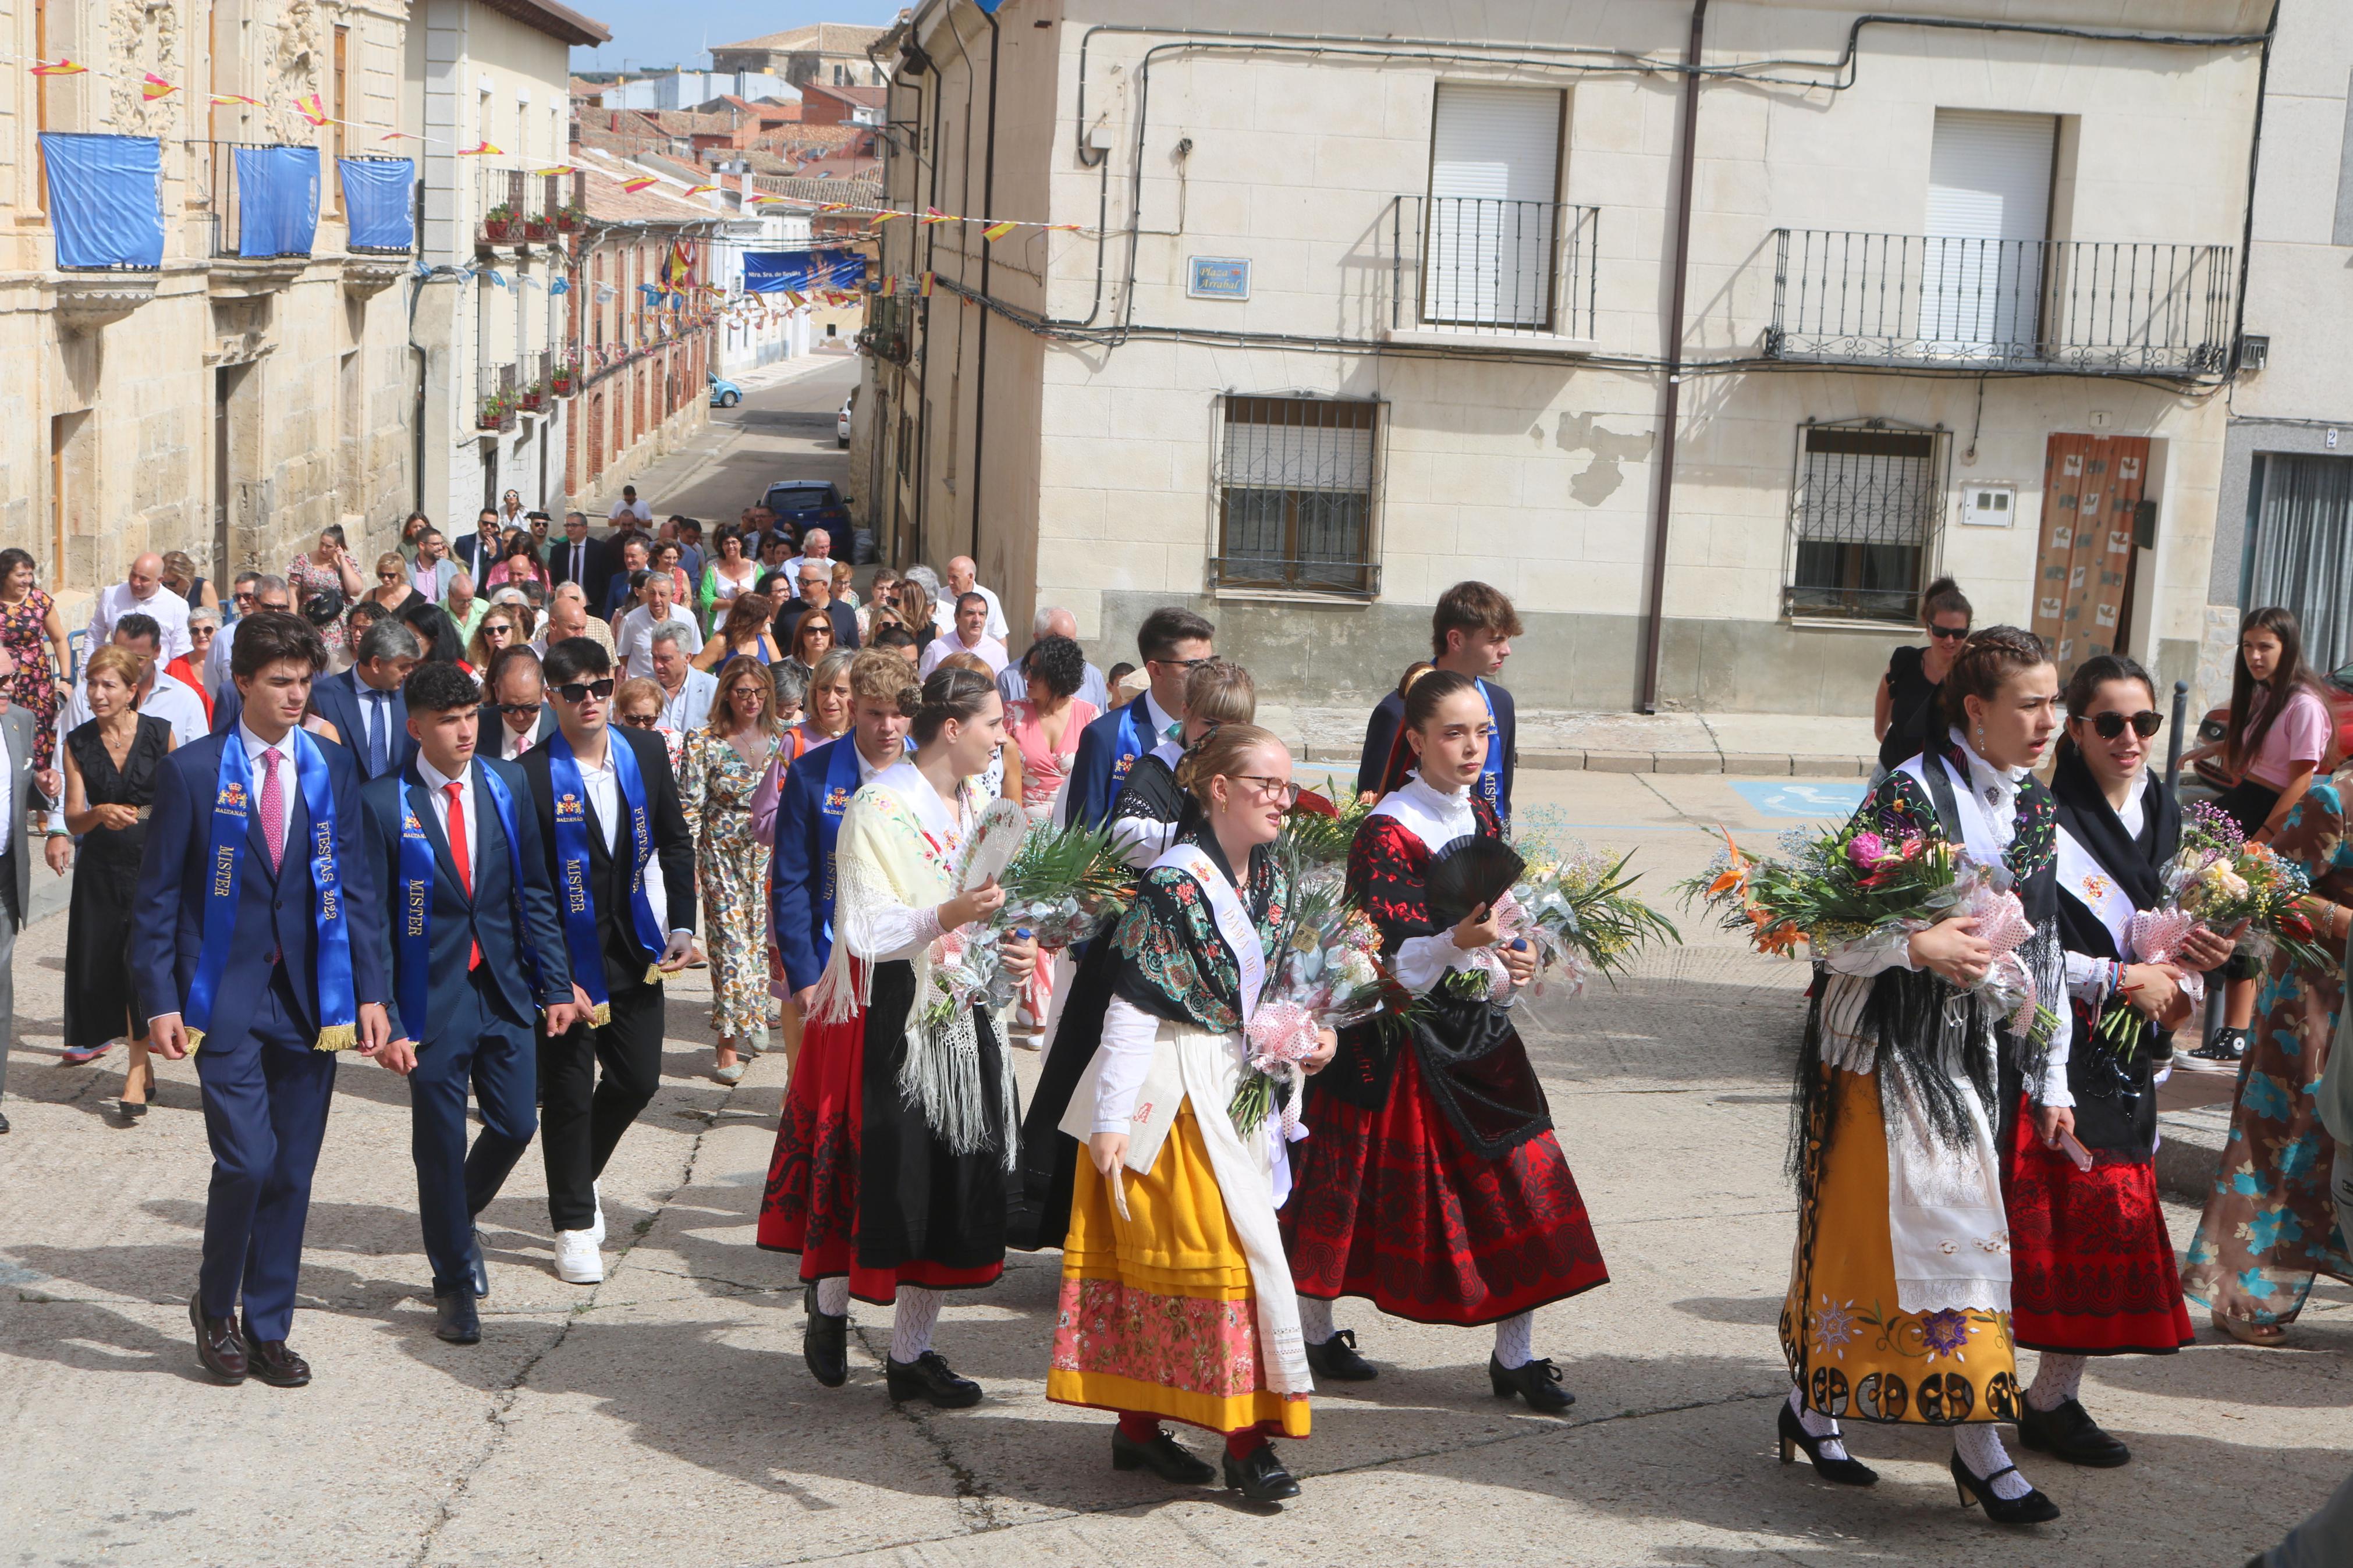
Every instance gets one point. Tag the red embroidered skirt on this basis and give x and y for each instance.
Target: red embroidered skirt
(1390, 1205)
(2091, 1261)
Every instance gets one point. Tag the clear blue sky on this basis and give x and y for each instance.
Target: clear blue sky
(646, 32)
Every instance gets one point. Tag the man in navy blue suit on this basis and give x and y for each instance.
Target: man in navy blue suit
(363, 702)
(815, 792)
(475, 949)
(1470, 633)
(258, 930)
(1172, 642)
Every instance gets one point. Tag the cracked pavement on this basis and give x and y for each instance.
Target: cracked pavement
(664, 1416)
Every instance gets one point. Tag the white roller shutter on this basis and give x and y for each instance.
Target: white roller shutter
(1988, 212)
(1494, 173)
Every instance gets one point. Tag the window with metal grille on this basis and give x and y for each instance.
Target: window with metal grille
(1863, 521)
(1295, 496)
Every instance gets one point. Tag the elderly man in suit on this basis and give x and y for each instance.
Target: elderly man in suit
(517, 717)
(475, 949)
(25, 795)
(363, 703)
(257, 932)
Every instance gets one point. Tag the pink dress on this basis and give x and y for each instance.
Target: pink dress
(1044, 768)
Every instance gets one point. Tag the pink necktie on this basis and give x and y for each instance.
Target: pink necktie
(273, 808)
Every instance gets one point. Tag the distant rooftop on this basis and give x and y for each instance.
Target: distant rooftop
(821, 37)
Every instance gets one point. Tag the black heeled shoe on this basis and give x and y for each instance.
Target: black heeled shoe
(2067, 1432)
(1164, 1456)
(824, 1343)
(1260, 1478)
(1537, 1381)
(2032, 1509)
(1846, 1472)
(1336, 1360)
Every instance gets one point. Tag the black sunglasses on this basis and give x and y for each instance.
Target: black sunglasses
(1953, 633)
(581, 690)
(2145, 723)
(517, 710)
(641, 721)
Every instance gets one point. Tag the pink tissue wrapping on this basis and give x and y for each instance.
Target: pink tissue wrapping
(2155, 936)
(2002, 925)
(1280, 1036)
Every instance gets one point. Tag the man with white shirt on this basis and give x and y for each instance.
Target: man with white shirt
(517, 716)
(1053, 621)
(634, 643)
(159, 694)
(143, 594)
(630, 511)
(568, 616)
(971, 616)
(817, 545)
(608, 805)
(266, 593)
(961, 580)
(686, 691)
(473, 956)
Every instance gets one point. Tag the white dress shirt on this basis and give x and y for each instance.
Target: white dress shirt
(990, 652)
(436, 784)
(170, 610)
(603, 791)
(944, 613)
(288, 784)
(512, 745)
(690, 709)
(636, 509)
(635, 643)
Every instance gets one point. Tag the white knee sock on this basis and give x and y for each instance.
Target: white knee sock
(1314, 1320)
(1979, 1447)
(2056, 1380)
(1821, 1427)
(833, 1296)
(912, 1321)
(1516, 1341)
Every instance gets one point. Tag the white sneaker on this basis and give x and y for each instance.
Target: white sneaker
(596, 1193)
(577, 1261)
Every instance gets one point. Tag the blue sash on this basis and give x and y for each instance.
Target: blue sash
(587, 952)
(1491, 771)
(1131, 747)
(414, 978)
(840, 784)
(233, 801)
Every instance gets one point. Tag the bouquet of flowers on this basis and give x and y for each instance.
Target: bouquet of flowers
(1322, 971)
(1320, 828)
(1061, 886)
(2219, 879)
(1573, 906)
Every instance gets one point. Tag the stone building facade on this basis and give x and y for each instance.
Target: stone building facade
(643, 365)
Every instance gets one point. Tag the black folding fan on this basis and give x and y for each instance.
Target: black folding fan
(1468, 874)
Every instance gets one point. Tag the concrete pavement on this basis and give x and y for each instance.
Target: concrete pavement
(664, 1416)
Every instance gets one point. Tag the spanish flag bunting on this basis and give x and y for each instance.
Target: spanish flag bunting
(698, 190)
(927, 286)
(934, 215)
(152, 86)
(62, 68)
(798, 301)
(998, 231)
(832, 206)
(237, 97)
(642, 182)
(311, 108)
(559, 170)
(400, 136)
(1064, 228)
(479, 149)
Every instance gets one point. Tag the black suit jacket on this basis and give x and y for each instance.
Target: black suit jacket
(469, 551)
(624, 962)
(789, 616)
(459, 919)
(490, 733)
(1388, 718)
(597, 566)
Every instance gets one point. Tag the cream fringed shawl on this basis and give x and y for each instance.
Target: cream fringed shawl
(895, 862)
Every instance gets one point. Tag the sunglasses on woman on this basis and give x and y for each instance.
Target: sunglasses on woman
(1953, 634)
(638, 721)
(387, 576)
(497, 629)
(2145, 723)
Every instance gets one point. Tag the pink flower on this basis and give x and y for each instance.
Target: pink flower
(1866, 850)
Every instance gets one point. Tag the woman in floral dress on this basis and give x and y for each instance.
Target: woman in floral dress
(719, 768)
(326, 567)
(31, 632)
(2269, 1226)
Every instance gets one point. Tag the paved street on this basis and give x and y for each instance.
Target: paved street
(665, 1417)
(784, 429)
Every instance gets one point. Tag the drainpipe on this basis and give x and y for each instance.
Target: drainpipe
(1686, 158)
(980, 355)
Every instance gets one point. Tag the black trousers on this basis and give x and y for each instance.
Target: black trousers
(582, 1111)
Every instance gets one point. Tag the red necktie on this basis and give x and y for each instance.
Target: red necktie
(456, 793)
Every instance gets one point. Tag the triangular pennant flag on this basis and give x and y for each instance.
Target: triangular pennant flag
(236, 97)
(400, 136)
(698, 190)
(934, 215)
(884, 216)
(998, 231)
(798, 301)
(497, 277)
(62, 68)
(311, 108)
(927, 286)
(560, 170)
(1064, 227)
(479, 149)
(152, 86)
(561, 286)
(644, 182)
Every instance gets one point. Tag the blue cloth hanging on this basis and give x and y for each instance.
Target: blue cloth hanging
(378, 198)
(802, 271)
(106, 199)
(277, 201)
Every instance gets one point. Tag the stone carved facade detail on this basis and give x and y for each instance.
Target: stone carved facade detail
(142, 36)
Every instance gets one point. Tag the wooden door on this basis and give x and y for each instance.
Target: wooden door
(2091, 485)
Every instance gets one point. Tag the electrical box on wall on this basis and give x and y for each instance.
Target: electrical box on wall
(1989, 506)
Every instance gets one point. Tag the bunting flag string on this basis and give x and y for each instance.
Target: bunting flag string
(311, 108)
(152, 86)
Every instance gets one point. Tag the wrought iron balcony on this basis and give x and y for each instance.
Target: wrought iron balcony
(2069, 307)
(1485, 267)
(261, 201)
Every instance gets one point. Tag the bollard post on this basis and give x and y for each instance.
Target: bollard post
(2174, 746)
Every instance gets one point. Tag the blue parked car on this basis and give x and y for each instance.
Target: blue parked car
(723, 394)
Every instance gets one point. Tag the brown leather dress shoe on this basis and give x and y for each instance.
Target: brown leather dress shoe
(217, 1344)
(273, 1363)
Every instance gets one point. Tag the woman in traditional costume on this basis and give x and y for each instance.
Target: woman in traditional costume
(899, 1126)
(1144, 820)
(1899, 1299)
(2091, 1262)
(1176, 1303)
(1433, 1184)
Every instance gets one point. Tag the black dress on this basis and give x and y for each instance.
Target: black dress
(100, 1002)
(1912, 699)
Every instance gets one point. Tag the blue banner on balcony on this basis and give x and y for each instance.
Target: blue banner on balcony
(106, 199)
(802, 271)
(277, 200)
(378, 194)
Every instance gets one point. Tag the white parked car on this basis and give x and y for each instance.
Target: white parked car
(841, 421)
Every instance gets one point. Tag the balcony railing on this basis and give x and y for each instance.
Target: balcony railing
(281, 217)
(2080, 307)
(495, 397)
(1483, 266)
(530, 383)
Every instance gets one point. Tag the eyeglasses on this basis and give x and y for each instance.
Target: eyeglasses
(581, 690)
(517, 710)
(1279, 788)
(1187, 664)
(279, 606)
(2145, 723)
(638, 721)
(1954, 634)
(243, 595)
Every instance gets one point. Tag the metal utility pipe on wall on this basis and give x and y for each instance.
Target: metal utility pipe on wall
(1687, 160)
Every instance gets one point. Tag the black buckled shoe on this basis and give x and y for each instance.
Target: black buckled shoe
(1847, 1472)
(271, 1362)
(456, 1321)
(482, 1269)
(1164, 1456)
(2068, 1432)
(2032, 1509)
(1336, 1360)
(218, 1346)
(1537, 1381)
(1260, 1478)
(824, 1343)
(929, 1377)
